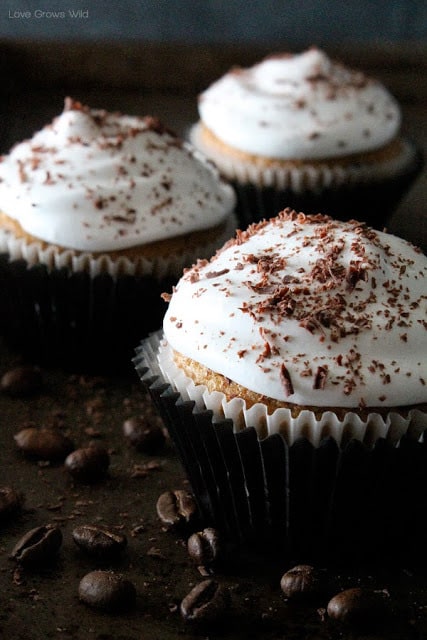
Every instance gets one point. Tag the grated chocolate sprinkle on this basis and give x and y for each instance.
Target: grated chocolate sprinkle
(286, 381)
(320, 378)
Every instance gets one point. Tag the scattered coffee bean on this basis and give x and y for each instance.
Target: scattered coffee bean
(10, 502)
(144, 434)
(38, 546)
(88, 464)
(107, 590)
(43, 444)
(359, 606)
(176, 509)
(21, 381)
(303, 580)
(206, 603)
(99, 541)
(204, 547)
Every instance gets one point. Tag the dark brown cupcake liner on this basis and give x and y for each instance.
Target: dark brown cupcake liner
(302, 501)
(84, 323)
(372, 202)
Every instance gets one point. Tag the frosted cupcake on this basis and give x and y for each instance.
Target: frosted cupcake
(98, 212)
(306, 338)
(306, 132)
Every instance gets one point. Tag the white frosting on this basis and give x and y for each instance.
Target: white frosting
(98, 181)
(309, 311)
(302, 106)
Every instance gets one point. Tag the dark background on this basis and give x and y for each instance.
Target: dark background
(293, 23)
(155, 56)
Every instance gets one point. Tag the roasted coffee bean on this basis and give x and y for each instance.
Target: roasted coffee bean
(43, 444)
(107, 590)
(357, 606)
(88, 464)
(21, 381)
(99, 541)
(206, 603)
(38, 546)
(303, 580)
(204, 547)
(176, 509)
(144, 434)
(10, 502)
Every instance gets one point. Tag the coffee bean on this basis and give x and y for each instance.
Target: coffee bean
(303, 580)
(144, 434)
(88, 464)
(38, 546)
(43, 444)
(107, 590)
(21, 381)
(206, 603)
(204, 547)
(358, 606)
(10, 502)
(99, 541)
(176, 509)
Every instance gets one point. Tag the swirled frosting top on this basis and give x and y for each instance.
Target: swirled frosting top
(302, 106)
(310, 311)
(98, 181)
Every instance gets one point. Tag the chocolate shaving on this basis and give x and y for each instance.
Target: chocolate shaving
(129, 219)
(165, 203)
(74, 105)
(310, 323)
(21, 171)
(100, 203)
(216, 274)
(286, 381)
(354, 274)
(154, 124)
(320, 378)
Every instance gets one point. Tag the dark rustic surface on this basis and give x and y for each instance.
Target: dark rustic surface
(40, 604)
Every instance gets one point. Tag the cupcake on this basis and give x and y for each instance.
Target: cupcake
(304, 131)
(98, 212)
(291, 373)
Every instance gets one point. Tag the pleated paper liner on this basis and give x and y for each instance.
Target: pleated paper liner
(84, 312)
(81, 322)
(304, 502)
(372, 202)
(359, 190)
